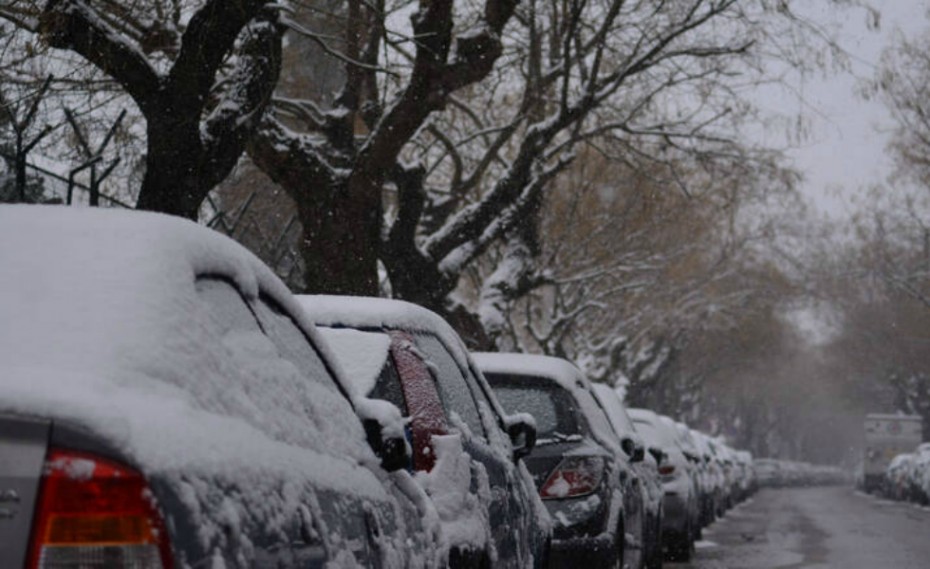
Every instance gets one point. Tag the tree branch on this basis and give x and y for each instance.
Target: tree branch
(73, 24)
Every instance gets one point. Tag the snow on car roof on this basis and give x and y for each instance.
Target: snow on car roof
(663, 426)
(558, 370)
(101, 327)
(90, 268)
(373, 312)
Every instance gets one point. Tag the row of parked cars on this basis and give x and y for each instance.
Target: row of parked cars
(166, 402)
(908, 476)
(779, 473)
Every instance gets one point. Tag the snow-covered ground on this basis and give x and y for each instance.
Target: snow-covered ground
(816, 528)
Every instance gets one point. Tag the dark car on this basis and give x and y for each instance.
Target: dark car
(680, 505)
(409, 356)
(164, 402)
(645, 468)
(577, 463)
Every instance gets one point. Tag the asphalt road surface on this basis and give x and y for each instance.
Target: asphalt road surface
(834, 527)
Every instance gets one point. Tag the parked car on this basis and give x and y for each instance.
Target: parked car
(408, 355)
(680, 501)
(645, 470)
(689, 448)
(164, 402)
(747, 475)
(714, 481)
(777, 473)
(768, 472)
(899, 478)
(920, 474)
(576, 464)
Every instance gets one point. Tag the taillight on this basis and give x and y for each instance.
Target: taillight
(667, 469)
(575, 476)
(95, 513)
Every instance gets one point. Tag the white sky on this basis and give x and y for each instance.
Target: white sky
(844, 151)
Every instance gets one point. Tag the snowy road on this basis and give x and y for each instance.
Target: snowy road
(832, 527)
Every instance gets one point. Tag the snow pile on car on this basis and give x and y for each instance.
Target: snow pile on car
(907, 477)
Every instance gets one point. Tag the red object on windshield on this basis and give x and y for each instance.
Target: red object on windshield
(427, 416)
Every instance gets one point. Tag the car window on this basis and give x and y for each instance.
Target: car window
(275, 380)
(228, 310)
(388, 387)
(291, 342)
(552, 407)
(597, 418)
(453, 389)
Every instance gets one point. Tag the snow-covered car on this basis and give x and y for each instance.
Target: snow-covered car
(712, 472)
(768, 472)
(680, 502)
(467, 452)
(776, 473)
(645, 469)
(689, 448)
(920, 474)
(165, 402)
(576, 463)
(899, 477)
(730, 475)
(747, 476)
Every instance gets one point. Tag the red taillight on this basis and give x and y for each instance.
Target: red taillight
(667, 469)
(575, 476)
(94, 512)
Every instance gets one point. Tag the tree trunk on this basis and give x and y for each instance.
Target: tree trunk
(341, 237)
(170, 184)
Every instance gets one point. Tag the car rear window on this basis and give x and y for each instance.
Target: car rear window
(554, 409)
(225, 305)
(292, 344)
(454, 391)
(276, 380)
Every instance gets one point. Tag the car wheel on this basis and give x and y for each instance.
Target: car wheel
(620, 546)
(654, 558)
(681, 547)
(468, 559)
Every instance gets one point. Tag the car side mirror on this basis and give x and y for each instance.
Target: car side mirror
(522, 431)
(393, 451)
(634, 450)
(657, 454)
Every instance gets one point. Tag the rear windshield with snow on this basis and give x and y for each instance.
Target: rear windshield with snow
(554, 409)
(274, 377)
(650, 434)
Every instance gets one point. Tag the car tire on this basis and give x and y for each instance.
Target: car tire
(620, 546)
(654, 558)
(468, 559)
(681, 547)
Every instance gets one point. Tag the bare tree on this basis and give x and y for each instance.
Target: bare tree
(903, 83)
(199, 72)
(459, 123)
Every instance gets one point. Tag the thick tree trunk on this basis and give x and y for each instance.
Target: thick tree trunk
(172, 167)
(340, 239)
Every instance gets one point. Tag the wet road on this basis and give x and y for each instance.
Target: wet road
(834, 527)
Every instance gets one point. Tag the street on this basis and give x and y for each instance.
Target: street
(820, 527)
